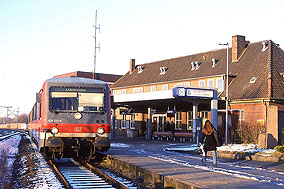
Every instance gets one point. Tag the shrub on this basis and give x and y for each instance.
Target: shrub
(279, 148)
(248, 133)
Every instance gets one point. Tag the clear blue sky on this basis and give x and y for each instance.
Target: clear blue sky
(43, 38)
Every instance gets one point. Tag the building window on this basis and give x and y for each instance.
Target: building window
(140, 89)
(204, 116)
(140, 69)
(179, 85)
(242, 115)
(123, 91)
(187, 84)
(178, 119)
(165, 87)
(163, 70)
(132, 121)
(202, 83)
(189, 118)
(123, 121)
(118, 92)
(114, 92)
(135, 90)
(220, 84)
(210, 83)
(153, 88)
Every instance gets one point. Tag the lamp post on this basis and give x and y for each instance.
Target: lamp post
(227, 91)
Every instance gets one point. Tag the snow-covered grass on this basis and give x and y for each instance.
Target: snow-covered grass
(246, 148)
(229, 148)
(8, 152)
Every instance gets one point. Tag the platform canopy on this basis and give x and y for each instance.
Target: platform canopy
(163, 99)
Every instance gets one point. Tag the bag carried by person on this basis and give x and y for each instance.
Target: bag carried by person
(218, 138)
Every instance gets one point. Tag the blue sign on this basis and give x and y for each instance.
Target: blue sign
(192, 92)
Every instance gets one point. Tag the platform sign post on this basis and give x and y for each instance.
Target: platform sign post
(199, 93)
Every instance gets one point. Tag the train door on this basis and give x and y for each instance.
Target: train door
(159, 122)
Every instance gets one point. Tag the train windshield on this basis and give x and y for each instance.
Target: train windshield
(74, 100)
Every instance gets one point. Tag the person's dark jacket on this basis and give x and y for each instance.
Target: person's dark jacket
(210, 143)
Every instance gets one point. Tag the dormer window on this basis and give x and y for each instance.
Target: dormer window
(214, 62)
(252, 80)
(192, 66)
(140, 69)
(163, 70)
(264, 45)
(197, 65)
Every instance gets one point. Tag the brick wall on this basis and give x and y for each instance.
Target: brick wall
(253, 112)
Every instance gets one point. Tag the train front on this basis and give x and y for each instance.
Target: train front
(77, 121)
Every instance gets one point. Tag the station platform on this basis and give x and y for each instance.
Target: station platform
(148, 161)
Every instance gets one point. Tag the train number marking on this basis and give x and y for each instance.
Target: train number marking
(77, 129)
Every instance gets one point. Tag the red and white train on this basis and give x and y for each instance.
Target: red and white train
(71, 117)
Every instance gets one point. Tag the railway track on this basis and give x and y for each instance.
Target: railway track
(74, 175)
(7, 134)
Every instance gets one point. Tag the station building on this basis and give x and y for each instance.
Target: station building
(146, 103)
(109, 78)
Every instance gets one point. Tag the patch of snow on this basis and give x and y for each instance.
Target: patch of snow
(41, 175)
(119, 145)
(8, 152)
(183, 148)
(239, 148)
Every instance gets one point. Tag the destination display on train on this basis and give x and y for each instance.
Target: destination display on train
(192, 92)
(75, 89)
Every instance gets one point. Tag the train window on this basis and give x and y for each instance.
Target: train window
(73, 100)
(90, 101)
(62, 101)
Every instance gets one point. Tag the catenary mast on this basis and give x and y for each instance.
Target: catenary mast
(95, 53)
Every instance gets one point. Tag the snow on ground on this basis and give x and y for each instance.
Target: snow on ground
(232, 148)
(8, 152)
(119, 145)
(32, 169)
(269, 177)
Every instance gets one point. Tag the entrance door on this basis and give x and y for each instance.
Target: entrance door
(159, 122)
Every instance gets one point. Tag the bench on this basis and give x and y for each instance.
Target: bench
(161, 135)
(182, 136)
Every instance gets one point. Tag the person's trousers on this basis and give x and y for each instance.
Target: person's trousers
(214, 157)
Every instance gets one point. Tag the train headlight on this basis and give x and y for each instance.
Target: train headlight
(78, 116)
(54, 130)
(100, 131)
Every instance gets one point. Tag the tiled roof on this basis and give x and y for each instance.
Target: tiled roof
(254, 62)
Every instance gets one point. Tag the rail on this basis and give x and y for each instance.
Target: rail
(8, 134)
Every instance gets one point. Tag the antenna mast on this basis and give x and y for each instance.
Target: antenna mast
(95, 54)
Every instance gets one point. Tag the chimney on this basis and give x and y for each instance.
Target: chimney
(239, 44)
(132, 65)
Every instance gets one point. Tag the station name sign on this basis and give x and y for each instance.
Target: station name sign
(192, 92)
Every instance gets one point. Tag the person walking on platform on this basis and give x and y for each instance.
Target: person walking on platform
(209, 143)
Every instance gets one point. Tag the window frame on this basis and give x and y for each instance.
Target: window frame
(178, 121)
(153, 87)
(189, 120)
(165, 87)
(222, 84)
(201, 81)
(210, 80)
